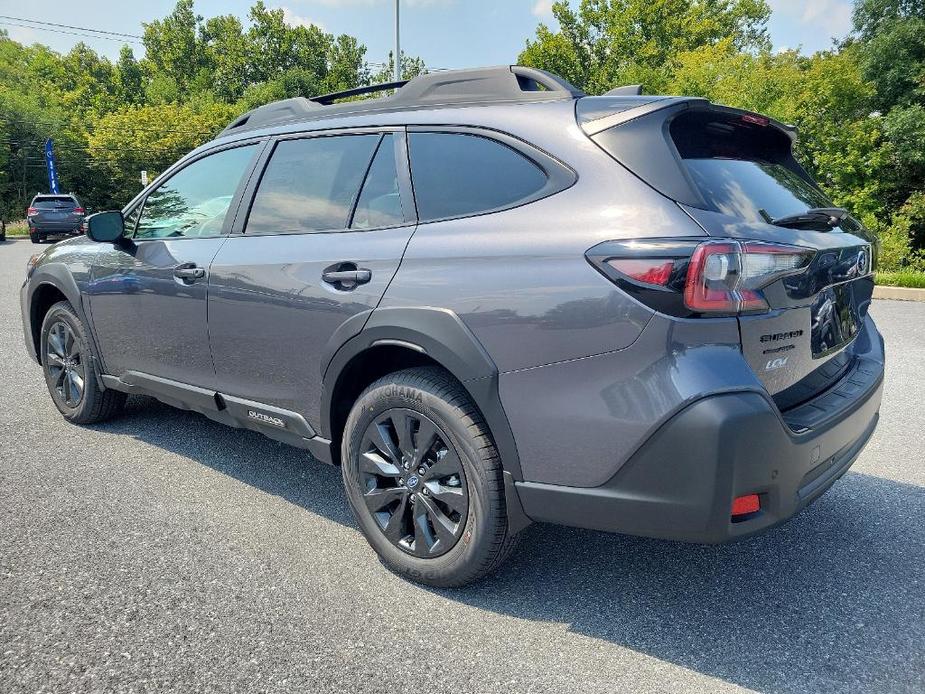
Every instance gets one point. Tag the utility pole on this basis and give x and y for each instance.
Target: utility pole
(397, 73)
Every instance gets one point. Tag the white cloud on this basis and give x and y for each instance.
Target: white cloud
(24, 35)
(294, 20)
(833, 14)
(806, 17)
(542, 8)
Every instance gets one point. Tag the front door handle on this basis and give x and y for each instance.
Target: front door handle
(188, 272)
(346, 276)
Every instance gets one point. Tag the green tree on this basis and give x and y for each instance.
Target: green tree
(610, 42)
(172, 49)
(136, 138)
(129, 78)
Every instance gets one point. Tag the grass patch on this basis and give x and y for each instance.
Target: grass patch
(903, 278)
(17, 229)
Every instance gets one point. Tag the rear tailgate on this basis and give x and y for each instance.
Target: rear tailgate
(734, 173)
(56, 212)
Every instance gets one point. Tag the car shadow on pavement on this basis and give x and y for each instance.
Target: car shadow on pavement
(832, 601)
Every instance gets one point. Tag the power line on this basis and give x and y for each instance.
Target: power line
(71, 26)
(70, 33)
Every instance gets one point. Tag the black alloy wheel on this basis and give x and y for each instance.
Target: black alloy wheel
(64, 365)
(413, 483)
(71, 373)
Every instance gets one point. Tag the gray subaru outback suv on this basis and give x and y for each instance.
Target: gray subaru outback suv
(491, 300)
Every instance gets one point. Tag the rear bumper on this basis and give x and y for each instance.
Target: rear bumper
(55, 228)
(680, 484)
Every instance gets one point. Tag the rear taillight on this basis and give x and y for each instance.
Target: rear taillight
(78, 210)
(692, 277)
(31, 211)
(726, 276)
(645, 270)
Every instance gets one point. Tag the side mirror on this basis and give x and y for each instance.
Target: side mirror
(105, 227)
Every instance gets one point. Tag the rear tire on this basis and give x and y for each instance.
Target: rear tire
(432, 504)
(33, 237)
(71, 372)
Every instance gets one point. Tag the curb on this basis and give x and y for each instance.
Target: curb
(899, 293)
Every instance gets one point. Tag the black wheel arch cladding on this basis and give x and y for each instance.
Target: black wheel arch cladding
(443, 337)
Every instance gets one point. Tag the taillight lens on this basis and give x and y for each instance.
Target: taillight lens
(726, 276)
(691, 277)
(78, 210)
(31, 211)
(646, 270)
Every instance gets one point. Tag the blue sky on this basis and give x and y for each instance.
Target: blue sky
(446, 33)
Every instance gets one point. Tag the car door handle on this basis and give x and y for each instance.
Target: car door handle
(188, 272)
(347, 278)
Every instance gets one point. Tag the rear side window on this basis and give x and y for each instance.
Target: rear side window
(311, 184)
(743, 169)
(456, 175)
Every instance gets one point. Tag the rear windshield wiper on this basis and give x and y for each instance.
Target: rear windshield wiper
(812, 218)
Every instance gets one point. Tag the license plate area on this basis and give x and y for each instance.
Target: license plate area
(837, 314)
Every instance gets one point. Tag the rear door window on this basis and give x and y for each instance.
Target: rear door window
(311, 184)
(457, 175)
(379, 204)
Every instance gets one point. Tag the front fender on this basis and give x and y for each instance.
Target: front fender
(59, 277)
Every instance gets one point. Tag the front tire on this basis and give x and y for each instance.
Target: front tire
(70, 370)
(424, 479)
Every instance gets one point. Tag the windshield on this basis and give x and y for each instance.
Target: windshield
(743, 188)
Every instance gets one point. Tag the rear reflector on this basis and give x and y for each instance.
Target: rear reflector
(743, 505)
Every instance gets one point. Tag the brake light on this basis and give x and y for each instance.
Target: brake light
(78, 210)
(692, 277)
(756, 119)
(645, 270)
(726, 276)
(31, 211)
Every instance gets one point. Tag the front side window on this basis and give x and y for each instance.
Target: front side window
(455, 175)
(194, 201)
(311, 184)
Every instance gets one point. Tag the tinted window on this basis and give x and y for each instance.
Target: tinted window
(743, 168)
(195, 200)
(53, 202)
(743, 188)
(380, 202)
(456, 175)
(311, 184)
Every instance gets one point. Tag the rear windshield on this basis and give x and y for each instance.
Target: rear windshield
(743, 169)
(50, 202)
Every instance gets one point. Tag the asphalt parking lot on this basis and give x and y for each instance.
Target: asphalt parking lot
(164, 552)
